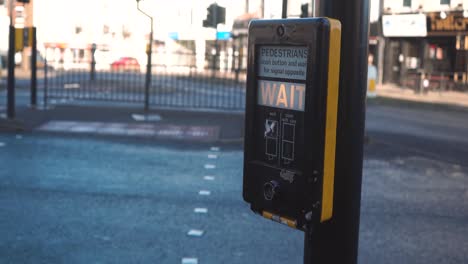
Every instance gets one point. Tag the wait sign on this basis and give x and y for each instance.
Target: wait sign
(284, 95)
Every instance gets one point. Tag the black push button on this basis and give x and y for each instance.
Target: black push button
(270, 190)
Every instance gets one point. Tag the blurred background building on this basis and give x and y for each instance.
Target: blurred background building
(66, 30)
(413, 42)
(425, 43)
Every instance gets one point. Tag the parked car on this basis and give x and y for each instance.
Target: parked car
(126, 64)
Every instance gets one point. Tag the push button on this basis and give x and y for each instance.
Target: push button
(270, 190)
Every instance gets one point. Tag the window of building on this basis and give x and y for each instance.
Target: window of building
(436, 52)
(445, 2)
(407, 3)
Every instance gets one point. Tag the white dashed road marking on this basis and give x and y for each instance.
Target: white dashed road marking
(204, 192)
(195, 232)
(189, 261)
(209, 178)
(2, 144)
(152, 117)
(200, 210)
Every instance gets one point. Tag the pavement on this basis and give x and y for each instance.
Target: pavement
(437, 98)
(216, 126)
(65, 116)
(124, 120)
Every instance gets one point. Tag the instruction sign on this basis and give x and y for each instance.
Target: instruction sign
(288, 62)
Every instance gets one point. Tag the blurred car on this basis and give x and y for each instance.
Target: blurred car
(126, 64)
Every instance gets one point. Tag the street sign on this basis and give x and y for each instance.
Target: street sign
(291, 118)
(23, 38)
(223, 35)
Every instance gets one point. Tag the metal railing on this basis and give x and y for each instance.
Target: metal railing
(177, 81)
(423, 82)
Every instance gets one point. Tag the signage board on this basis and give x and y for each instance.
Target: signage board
(408, 25)
(453, 24)
(282, 62)
(291, 113)
(223, 35)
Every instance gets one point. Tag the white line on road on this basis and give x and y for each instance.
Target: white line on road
(204, 192)
(19, 136)
(209, 178)
(195, 232)
(210, 166)
(71, 86)
(212, 156)
(2, 144)
(189, 261)
(200, 210)
(214, 148)
(145, 117)
(104, 238)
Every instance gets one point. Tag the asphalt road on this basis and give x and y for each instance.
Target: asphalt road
(84, 199)
(415, 186)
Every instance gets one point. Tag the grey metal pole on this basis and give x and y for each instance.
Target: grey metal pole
(46, 84)
(148, 68)
(284, 11)
(11, 66)
(262, 9)
(11, 74)
(92, 75)
(336, 241)
(214, 64)
(149, 63)
(316, 7)
(34, 68)
(381, 47)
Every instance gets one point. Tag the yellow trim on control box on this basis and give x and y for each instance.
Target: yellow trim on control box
(280, 219)
(331, 119)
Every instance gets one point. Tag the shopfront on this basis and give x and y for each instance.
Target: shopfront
(425, 51)
(448, 45)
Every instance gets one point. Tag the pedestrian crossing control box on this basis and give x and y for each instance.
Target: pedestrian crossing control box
(291, 119)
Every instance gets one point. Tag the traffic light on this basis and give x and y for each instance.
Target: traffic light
(304, 10)
(220, 15)
(210, 16)
(215, 15)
